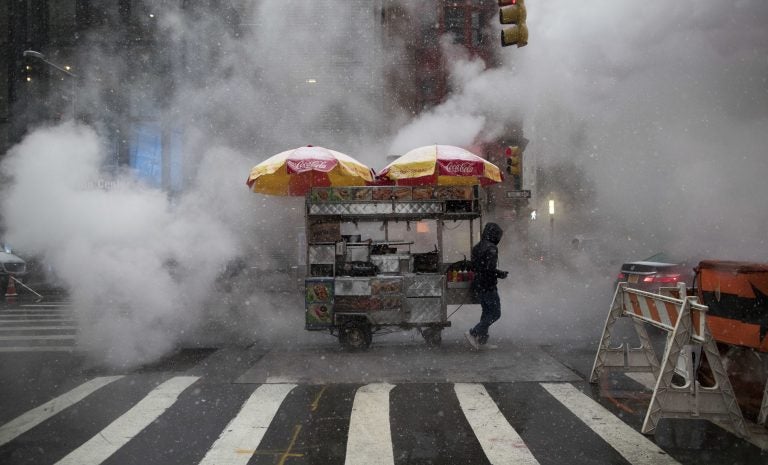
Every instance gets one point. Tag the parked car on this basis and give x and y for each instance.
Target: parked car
(655, 272)
(10, 265)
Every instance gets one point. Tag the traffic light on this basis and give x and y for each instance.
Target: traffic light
(513, 12)
(514, 165)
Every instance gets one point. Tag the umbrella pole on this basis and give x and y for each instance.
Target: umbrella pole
(439, 241)
(471, 233)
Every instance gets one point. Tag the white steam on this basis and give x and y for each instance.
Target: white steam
(648, 125)
(138, 267)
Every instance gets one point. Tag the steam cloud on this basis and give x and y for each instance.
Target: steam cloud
(648, 126)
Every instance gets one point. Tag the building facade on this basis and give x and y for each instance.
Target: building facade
(34, 91)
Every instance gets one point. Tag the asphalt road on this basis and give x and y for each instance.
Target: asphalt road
(401, 402)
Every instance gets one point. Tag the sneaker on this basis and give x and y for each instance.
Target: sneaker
(472, 340)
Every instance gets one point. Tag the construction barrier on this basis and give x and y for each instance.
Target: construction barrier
(688, 339)
(10, 292)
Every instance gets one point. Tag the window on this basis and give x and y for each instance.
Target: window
(454, 23)
(477, 31)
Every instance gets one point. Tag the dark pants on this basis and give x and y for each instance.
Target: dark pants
(491, 305)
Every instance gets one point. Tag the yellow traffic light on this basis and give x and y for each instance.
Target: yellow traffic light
(514, 166)
(513, 160)
(513, 12)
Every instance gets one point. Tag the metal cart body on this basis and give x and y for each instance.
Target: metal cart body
(356, 287)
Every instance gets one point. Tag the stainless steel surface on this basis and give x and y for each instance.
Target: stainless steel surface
(322, 254)
(461, 296)
(392, 263)
(390, 316)
(424, 285)
(353, 286)
(376, 208)
(358, 252)
(425, 310)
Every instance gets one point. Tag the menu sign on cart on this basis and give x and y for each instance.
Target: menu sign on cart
(318, 298)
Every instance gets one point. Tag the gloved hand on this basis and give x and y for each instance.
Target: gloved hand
(502, 274)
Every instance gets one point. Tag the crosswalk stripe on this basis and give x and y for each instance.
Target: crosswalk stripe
(242, 436)
(37, 349)
(9, 323)
(499, 440)
(52, 337)
(30, 315)
(369, 441)
(34, 417)
(33, 313)
(633, 446)
(119, 432)
(35, 328)
(32, 310)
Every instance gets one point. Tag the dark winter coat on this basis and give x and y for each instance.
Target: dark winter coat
(485, 257)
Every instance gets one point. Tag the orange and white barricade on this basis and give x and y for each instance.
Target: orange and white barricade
(684, 321)
(10, 293)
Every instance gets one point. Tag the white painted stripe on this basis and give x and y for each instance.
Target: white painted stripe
(632, 445)
(38, 349)
(500, 442)
(664, 314)
(34, 417)
(644, 307)
(644, 313)
(33, 315)
(242, 436)
(50, 320)
(48, 305)
(36, 310)
(369, 441)
(119, 432)
(33, 312)
(51, 337)
(35, 328)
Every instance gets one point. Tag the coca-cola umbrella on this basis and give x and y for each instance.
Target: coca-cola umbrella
(296, 171)
(440, 165)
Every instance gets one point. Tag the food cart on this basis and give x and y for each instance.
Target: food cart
(357, 286)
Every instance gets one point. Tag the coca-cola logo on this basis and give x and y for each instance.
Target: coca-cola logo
(309, 165)
(462, 168)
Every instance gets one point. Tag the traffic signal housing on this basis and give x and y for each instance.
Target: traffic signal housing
(513, 12)
(514, 167)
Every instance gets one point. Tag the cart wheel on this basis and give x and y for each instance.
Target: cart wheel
(433, 336)
(356, 335)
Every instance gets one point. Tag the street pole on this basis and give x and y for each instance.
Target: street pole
(73, 76)
(551, 228)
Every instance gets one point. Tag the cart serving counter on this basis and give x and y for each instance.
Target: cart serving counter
(357, 286)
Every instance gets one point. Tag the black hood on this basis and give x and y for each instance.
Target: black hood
(492, 232)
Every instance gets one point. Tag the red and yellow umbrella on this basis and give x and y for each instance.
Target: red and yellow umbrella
(296, 171)
(441, 165)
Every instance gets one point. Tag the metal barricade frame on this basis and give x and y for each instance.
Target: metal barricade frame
(684, 320)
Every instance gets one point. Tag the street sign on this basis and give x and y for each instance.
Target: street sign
(524, 194)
